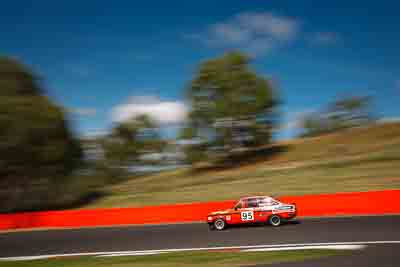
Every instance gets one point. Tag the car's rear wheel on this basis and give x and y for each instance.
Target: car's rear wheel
(275, 220)
(219, 224)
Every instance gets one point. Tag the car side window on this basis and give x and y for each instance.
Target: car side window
(267, 202)
(252, 203)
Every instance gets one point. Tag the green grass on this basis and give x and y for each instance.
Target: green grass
(203, 259)
(360, 159)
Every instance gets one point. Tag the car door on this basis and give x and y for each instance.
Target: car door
(266, 205)
(260, 215)
(248, 214)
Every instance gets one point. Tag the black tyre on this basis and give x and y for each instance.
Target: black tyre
(275, 220)
(219, 224)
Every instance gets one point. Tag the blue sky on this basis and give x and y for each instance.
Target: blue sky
(105, 60)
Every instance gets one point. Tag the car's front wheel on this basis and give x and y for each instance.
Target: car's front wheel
(275, 220)
(219, 224)
(211, 226)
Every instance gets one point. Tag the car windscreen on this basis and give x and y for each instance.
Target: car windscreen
(238, 205)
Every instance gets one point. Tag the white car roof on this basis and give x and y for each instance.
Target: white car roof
(264, 197)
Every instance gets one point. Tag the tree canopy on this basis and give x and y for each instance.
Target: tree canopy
(131, 138)
(345, 112)
(232, 107)
(36, 144)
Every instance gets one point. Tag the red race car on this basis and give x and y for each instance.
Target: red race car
(255, 209)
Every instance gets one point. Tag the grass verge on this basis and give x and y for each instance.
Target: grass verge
(204, 259)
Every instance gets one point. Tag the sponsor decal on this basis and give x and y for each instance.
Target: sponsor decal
(285, 208)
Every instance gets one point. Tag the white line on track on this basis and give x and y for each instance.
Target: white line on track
(276, 247)
(335, 247)
(134, 253)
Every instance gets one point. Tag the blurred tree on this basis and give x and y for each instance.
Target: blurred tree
(193, 148)
(131, 139)
(36, 146)
(17, 80)
(232, 108)
(343, 113)
(311, 125)
(350, 111)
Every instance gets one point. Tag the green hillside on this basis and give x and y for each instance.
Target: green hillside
(358, 159)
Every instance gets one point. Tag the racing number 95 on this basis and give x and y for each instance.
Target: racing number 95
(247, 215)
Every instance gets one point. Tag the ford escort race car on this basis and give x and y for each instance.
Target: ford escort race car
(255, 209)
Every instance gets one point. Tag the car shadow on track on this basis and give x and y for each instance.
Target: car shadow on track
(260, 225)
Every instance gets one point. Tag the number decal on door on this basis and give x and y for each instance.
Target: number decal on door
(247, 215)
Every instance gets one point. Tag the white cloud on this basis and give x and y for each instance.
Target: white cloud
(94, 133)
(324, 38)
(86, 112)
(294, 120)
(165, 112)
(265, 23)
(253, 32)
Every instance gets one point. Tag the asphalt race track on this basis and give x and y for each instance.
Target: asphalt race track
(355, 229)
(373, 256)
